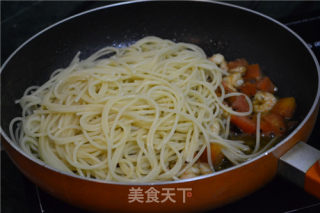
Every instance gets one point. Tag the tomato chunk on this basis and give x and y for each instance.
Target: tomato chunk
(245, 123)
(240, 104)
(248, 88)
(270, 123)
(253, 72)
(276, 124)
(285, 107)
(216, 154)
(265, 84)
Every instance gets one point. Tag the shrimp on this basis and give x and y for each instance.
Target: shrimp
(263, 101)
(193, 171)
(219, 60)
(233, 80)
(199, 168)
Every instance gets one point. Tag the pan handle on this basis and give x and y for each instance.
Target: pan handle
(301, 165)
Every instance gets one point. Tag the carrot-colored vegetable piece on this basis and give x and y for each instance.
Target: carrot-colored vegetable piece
(265, 127)
(265, 84)
(216, 155)
(240, 104)
(285, 107)
(270, 123)
(248, 88)
(276, 123)
(245, 123)
(253, 72)
(237, 63)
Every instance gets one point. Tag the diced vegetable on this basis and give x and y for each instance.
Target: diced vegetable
(240, 104)
(276, 124)
(265, 127)
(237, 63)
(270, 123)
(248, 88)
(285, 107)
(265, 84)
(245, 123)
(253, 72)
(216, 155)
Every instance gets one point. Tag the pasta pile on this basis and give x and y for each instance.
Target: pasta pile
(142, 113)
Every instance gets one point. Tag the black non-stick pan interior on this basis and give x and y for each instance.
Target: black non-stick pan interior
(214, 27)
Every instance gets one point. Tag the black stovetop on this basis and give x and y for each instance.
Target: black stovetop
(21, 20)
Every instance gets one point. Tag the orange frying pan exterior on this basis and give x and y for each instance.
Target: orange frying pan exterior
(312, 180)
(200, 193)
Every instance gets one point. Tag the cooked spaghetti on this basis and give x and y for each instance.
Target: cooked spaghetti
(146, 112)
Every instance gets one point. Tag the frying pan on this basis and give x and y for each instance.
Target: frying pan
(215, 27)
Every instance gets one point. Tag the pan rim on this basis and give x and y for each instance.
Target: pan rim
(269, 151)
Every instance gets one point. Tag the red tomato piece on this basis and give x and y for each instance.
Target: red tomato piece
(248, 88)
(240, 104)
(253, 72)
(245, 123)
(265, 84)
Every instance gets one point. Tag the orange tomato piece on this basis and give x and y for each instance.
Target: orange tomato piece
(253, 72)
(285, 107)
(273, 124)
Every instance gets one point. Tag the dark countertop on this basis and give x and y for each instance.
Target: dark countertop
(21, 20)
